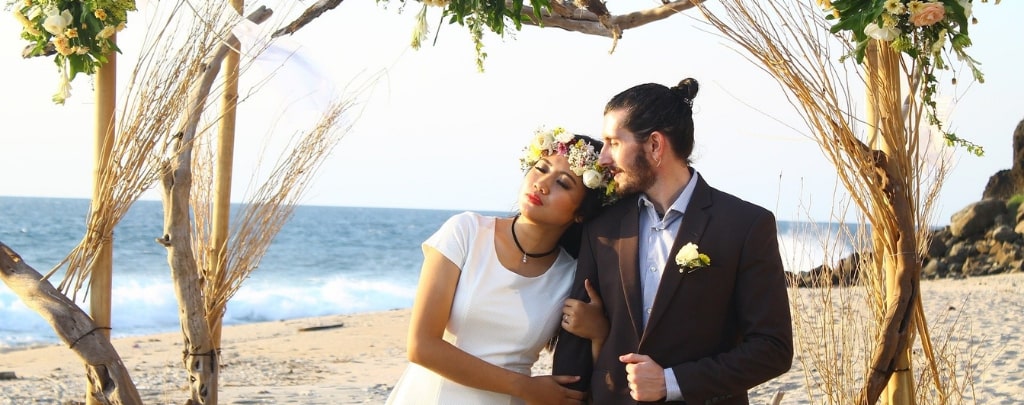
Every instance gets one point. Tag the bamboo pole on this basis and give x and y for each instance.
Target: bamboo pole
(223, 171)
(101, 268)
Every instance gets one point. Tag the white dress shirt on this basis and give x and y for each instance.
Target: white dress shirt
(657, 233)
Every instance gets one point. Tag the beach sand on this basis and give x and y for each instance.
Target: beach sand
(356, 359)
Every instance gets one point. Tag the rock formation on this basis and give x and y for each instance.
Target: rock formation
(1006, 183)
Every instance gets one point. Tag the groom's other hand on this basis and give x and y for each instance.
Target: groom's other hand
(645, 377)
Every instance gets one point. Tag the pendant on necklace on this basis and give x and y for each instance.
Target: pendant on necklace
(524, 257)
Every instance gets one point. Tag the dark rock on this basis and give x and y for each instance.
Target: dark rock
(960, 251)
(1006, 254)
(976, 218)
(1005, 219)
(936, 246)
(934, 269)
(975, 267)
(846, 271)
(1006, 183)
(1003, 233)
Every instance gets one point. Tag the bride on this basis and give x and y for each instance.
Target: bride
(491, 290)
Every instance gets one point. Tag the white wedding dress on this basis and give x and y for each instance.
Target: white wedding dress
(497, 315)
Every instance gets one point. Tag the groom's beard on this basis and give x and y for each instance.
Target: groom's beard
(637, 177)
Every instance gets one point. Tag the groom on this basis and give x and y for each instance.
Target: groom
(696, 325)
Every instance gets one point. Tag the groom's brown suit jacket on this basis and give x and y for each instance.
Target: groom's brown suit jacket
(722, 329)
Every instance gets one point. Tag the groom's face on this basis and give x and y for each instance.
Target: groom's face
(626, 157)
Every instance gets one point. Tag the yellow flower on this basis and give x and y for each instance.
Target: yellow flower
(100, 14)
(63, 45)
(895, 7)
(915, 6)
(71, 32)
(106, 32)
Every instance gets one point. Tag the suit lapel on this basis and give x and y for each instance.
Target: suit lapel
(627, 248)
(695, 221)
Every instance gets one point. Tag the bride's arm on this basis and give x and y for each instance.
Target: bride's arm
(431, 309)
(587, 319)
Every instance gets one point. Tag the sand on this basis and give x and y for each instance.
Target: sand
(356, 359)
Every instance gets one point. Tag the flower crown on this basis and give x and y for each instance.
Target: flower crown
(581, 156)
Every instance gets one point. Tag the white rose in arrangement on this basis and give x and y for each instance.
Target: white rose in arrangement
(881, 33)
(592, 178)
(690, 259)
(56, 23)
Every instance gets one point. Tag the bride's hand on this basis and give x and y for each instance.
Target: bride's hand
(549, 389)
(586, 319)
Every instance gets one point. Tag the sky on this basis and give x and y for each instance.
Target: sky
(433, 132)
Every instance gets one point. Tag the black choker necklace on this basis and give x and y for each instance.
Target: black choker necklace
(525, 255)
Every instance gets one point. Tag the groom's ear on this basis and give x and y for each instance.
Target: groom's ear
(658, 143)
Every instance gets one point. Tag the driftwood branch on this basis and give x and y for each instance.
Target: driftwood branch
(307, 16)
(199, 355)
(591, 17)
(106, 373)
(588, 21)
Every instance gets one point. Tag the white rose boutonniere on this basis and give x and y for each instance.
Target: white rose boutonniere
(690, 259)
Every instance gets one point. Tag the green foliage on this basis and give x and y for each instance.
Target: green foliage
(922, 31)
(479, 16)
(1013, 204)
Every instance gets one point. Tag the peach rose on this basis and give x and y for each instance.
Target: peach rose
(928, 14)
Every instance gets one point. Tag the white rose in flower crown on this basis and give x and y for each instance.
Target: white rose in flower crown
(689, 258)
(562, 136)
(592, 178)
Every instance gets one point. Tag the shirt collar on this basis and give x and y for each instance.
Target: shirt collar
(682, 201)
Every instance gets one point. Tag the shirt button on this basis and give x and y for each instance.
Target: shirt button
(648, 311)
(653, 269)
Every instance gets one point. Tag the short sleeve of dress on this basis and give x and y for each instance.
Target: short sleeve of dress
(453, 238)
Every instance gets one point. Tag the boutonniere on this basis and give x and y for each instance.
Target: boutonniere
(689, 259)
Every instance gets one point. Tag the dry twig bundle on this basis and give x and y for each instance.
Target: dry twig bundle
(884, 168)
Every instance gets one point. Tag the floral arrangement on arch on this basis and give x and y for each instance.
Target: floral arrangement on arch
(921, 29)
(76, 32)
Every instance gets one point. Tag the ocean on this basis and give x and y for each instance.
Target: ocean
(325, 261)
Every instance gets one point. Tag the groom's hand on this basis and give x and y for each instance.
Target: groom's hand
(645, 377)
